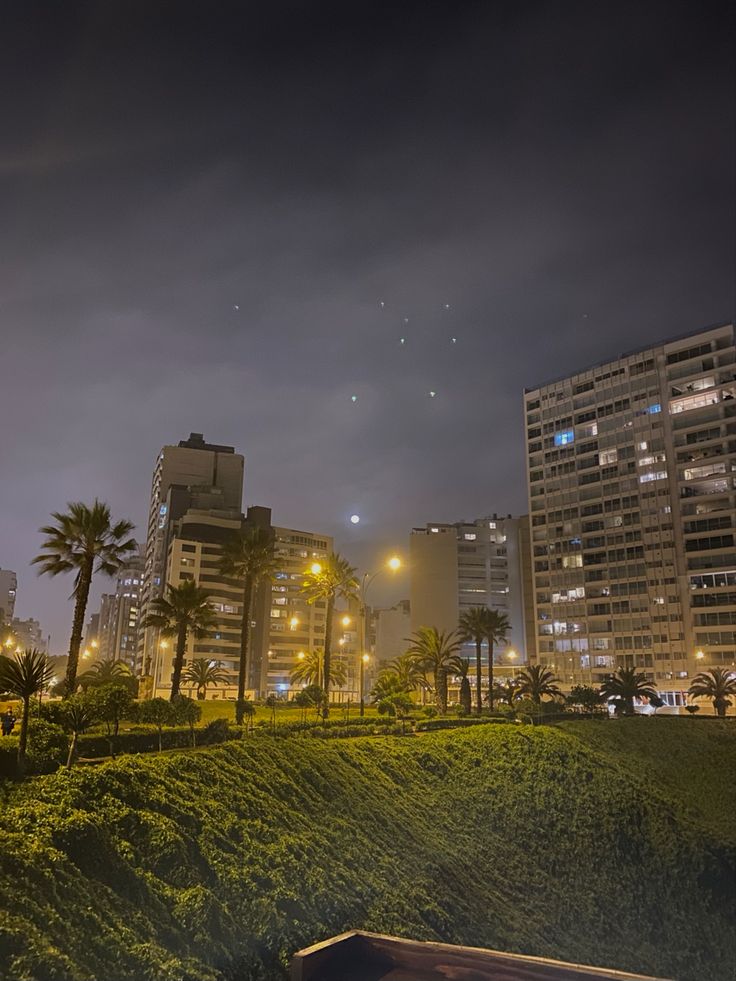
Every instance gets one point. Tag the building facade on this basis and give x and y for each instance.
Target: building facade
(193, 463)
(28, 633)
(8, 593)
(120, 614)
(631, 481)
(466, 564)
(393, 626)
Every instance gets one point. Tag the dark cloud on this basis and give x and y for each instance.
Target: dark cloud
(528, 164)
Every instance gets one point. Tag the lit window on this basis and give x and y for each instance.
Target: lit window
(654, 409)
(470, 536)
(564, 437)
(645, 478)
(434, 530)
(642, 446)
(608, 456)
(491, 524)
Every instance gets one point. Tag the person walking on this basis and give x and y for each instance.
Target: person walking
(7, 722)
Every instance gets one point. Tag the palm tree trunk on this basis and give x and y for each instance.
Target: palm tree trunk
(441, 685)
(75, 641)
(490, 674)
(328, 655)
(244, 634)
(72, 750)
(23, 741)
(181, 647)
(478, 677)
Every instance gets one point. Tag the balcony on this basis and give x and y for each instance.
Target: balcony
(359, 956)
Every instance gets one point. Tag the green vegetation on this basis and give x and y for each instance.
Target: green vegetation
(221, 863)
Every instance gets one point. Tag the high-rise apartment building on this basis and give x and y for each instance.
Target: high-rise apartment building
(120, 613)
(465, 564)
(631, 481)
(393, 626)
(295, 625)
(193, 463)
(8, 592)
(28, 633)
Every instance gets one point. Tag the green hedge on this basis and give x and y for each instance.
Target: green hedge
(221, 864)
(460, 722)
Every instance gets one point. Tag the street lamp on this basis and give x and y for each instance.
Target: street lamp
(393, 564)
(700, 655)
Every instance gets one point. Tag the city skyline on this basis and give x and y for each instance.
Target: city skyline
(200, 240)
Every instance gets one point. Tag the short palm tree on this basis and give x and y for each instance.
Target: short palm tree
(84, 540)
(310, 671)
(78, 715)
(249, 556)
(536, 681)
(473, 627)
(203, 672)
(184, 610)
(329, 579)
(497, 630)
(410, 673)
(388, 683)
(24, 675)
(716, 685)
(436, 651)
(104, 672)
(626, 685)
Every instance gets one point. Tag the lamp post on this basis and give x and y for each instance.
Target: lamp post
(392, 565)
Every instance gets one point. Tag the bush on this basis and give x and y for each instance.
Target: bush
(48, 746)
(431, 725)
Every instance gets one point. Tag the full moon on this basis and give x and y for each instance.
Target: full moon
(355, 518)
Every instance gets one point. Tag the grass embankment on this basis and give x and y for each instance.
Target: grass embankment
(544, 841)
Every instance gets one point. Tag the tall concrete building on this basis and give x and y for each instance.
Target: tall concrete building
(393, 626)
(193, 463)
(28, 633)
(631, 481)
(465, 564)
(295, 625)
(120, 613)
(8, 592)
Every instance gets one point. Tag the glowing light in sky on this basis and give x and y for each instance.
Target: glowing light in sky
(355, 518)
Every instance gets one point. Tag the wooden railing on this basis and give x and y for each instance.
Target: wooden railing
(359, 956)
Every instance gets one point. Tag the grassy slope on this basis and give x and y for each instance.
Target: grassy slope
(526, 840)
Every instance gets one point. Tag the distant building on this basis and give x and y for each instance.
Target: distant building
(28, 633)
(191, 464)
(295, 625)
(393, 626)
(458, 566)
(8, 592)
(632, 495)
(119, 616)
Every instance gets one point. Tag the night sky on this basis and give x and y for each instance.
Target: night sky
(217, 218)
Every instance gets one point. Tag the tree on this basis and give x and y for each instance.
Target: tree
(584, 697)
(626, 685)
(397, 706)
(272, 701)
(535, 681)
(497, 630)
(111, 703)
(410, 673)
(311, 669)
(248, 713)
(203, 672)
(105, 672)
(184, 610)
(158, 712)
(716, 685)
(436, 651)
(24, 675)
(507, 691)
(187, 713)
(388, 683)
(77, 714)
(466, 702)
(474, 627)
(310, 697)
(326, 581)
(84, 540)
(249, 556)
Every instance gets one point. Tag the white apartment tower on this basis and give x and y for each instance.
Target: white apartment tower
(465, 564)
(632, 497)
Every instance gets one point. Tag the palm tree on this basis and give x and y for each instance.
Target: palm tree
(248, 555)
(388, 683)
(105, 672)
(474, 627)
(716, 685)
(535, 681)
(328, 580)
(626, 685)
(410, 673)
(203, 672)
(311, 667)
(436, 651)
(78, 714)
(497, 630)
(185, 609)
(24, 676)
(465, 697)
(83, 540)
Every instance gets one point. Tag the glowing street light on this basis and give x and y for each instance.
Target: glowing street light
(346, 621)
(315, 568)
(300, 655)
(294, 623)
(700, 655)
(511, 655)
(394, 563)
